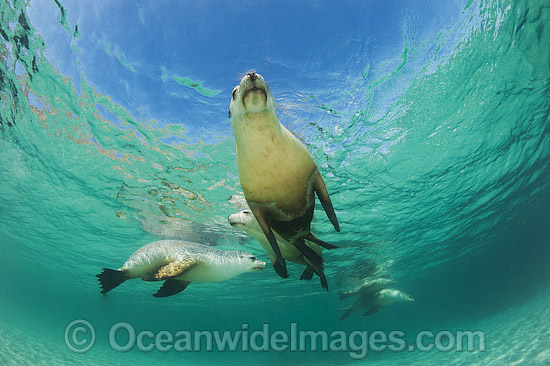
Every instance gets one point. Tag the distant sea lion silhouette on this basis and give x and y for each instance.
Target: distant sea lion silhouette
(367, 287)
(278, 175)
(375, 302)
(179, 263)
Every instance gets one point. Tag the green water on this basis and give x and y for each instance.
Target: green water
(438, 165)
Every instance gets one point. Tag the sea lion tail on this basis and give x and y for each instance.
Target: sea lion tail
(109, 279)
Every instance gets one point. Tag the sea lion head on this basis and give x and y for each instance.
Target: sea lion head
(406, 297)
(400, 296)
(247, 261)
(251, 96)
(244, 220)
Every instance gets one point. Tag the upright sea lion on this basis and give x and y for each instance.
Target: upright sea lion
(375, 302)
(246, 221)
(278, 175)
(179, 263)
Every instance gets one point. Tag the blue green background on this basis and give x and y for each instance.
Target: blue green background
(428, 119)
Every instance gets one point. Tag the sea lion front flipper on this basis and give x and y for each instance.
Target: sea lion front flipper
(171, 287)
(321, 190)
(171, 270)
(279, 265)
(308, 274)
(312, 238)
(372, 311)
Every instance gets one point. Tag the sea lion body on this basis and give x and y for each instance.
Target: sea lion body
(278, 175)
(276, 170)
(179, 263)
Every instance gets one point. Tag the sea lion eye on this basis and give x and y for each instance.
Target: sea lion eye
(253, 258)
(234, 92)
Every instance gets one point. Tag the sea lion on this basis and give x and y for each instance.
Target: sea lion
(375, 302)
(245, 220)
(179, 263)
(278, 175)
(367, 287)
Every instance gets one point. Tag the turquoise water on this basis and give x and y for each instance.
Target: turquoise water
(429, 123)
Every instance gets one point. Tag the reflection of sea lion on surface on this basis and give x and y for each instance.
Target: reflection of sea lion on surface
(179, 263)
(278, 175)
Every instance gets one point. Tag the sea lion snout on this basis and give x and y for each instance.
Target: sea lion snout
(258, 266)
(254, 263)
(241, 218)
(253, 81)
(252, 95)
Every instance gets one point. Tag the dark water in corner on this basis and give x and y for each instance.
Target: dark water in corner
(429, 122)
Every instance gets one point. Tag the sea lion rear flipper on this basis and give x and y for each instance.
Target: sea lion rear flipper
(171, 287)
(171, 270)
(308, 274)
(372, 311)
(318, 241)
(109, 279)
(323, 278)
(322, 193)
(279, 266)
(315, 259)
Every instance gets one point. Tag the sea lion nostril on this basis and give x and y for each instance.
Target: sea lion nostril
(252, 75)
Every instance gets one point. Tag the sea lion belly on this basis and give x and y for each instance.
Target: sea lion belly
(275, 168)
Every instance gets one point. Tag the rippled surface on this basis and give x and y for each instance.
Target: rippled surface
(428, 121)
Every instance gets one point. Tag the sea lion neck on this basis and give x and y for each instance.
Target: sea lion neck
(257, 127)
(265, 118)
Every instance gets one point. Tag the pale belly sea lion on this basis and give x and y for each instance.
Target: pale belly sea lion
(376, 302)
(245, 220)
(278, 175)
(179, 263)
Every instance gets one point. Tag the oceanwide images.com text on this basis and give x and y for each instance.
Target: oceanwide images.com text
(80, 337)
